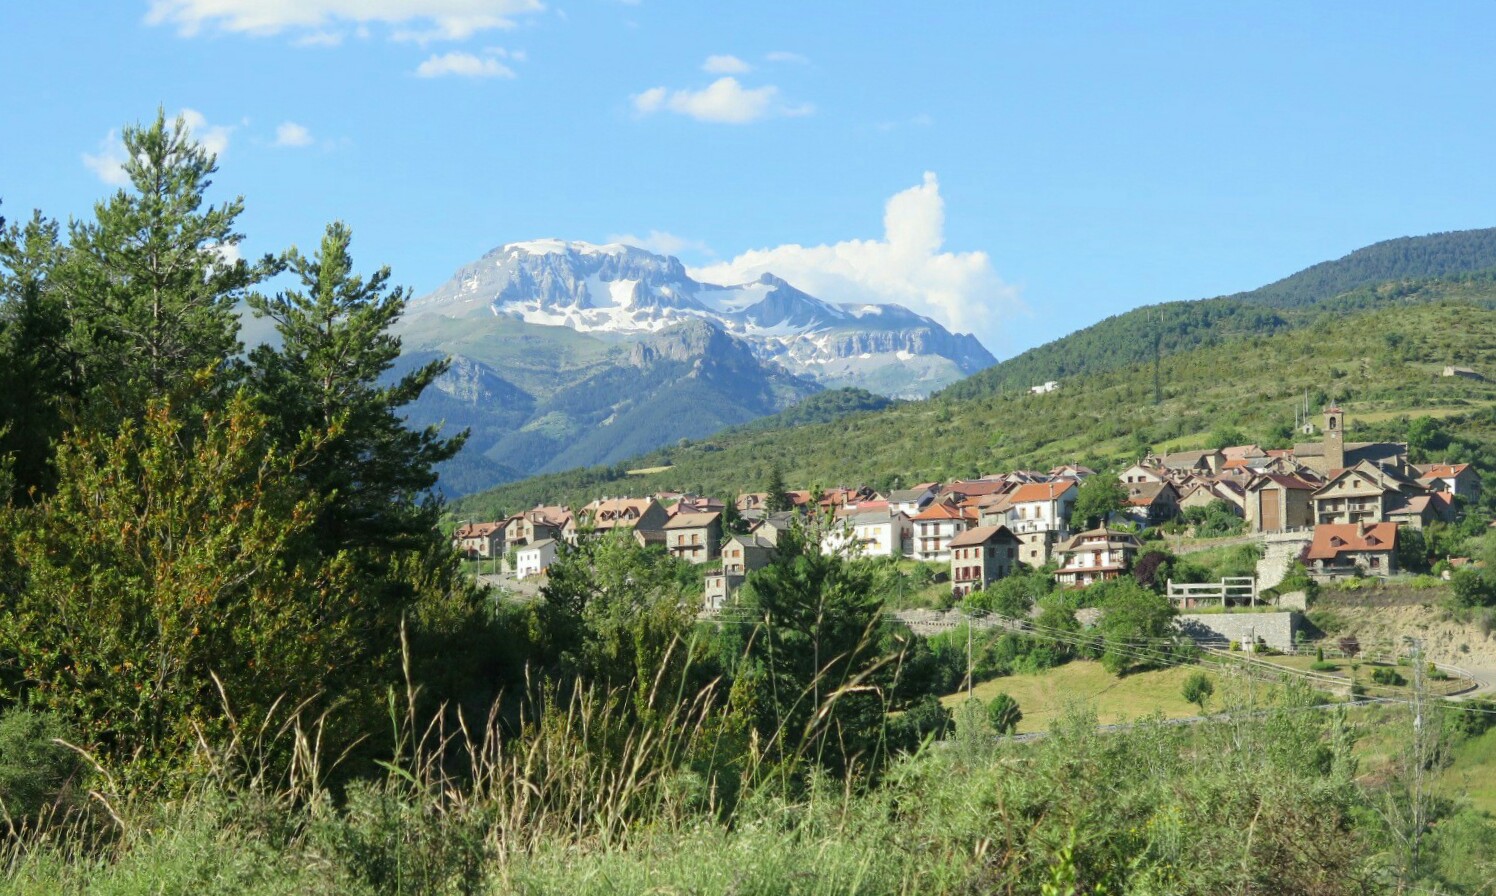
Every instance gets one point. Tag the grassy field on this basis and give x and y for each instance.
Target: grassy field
(1472, 777)
(1045, 697)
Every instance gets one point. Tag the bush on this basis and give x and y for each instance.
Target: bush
(1323, 666)
(1387, 675)
(38, 775)
(1004, 715)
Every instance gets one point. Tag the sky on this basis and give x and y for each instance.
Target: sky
(1013, 170)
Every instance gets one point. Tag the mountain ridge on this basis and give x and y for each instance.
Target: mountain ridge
(622, 291)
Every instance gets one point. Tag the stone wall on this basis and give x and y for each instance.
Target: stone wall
(1219, 629)
(1279, 551)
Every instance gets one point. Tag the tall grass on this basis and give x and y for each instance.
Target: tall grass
(599, 792)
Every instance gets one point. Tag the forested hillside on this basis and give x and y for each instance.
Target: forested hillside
(1379, 364)
(1384, 273)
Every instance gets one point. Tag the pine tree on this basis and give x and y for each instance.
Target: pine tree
(36, 373)
(151, 283)
(327, 380)
(778, 499)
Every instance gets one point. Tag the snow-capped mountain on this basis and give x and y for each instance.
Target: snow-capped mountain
(625, 291)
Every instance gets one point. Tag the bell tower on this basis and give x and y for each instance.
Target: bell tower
(1334, 438)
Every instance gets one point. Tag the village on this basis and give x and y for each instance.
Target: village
(1337, 507)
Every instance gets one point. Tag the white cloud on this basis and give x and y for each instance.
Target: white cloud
(725, 65)
(663, 243)
(420, 20)
(213, 137)
(320, 39)
(464, 65)
(291, 134)
(907, 266)
(724, 101)
(109, 163)
(786, 56)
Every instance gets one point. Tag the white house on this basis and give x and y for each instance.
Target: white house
(534, 559)
(934, 528)
(875, 533)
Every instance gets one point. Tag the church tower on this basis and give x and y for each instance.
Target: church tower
(1334, 439)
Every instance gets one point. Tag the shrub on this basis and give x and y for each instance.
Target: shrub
(1197, 689)
(38, 774)
(1323, 666)
(1387, 675)
(1004, 715)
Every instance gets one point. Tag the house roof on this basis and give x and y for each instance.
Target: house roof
(874, 517)
(537, 544)
(1032, 492)
(975, 488)
(477, 530)
(693, 520)
(612, 513)
(1333, 539)
(751, 541)
(1282, 481)
(1146, 494)
(1094, 538)
(981, 535)
(1186, 459)
(1241, 452)
(907, 495)
(1440, 471)
(940, 511)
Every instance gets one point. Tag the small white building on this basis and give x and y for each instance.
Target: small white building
(876, 533)
(1048, 386)
(934, 528)
(534, 559)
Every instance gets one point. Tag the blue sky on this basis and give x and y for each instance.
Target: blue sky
(1016, 171)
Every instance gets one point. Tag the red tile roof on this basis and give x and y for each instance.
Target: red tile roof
(1333, 539)
(1041, 491)
(940, 512)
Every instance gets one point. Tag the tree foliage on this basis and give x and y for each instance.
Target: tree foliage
(1096, 500)
(151, 281)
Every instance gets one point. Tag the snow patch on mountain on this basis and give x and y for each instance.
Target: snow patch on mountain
(623, 290)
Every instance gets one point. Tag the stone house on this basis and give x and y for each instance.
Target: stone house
(1151, 503)
(477, 541)
(1352, 549)
(1275, 502)
(694, 537)
(1364, 492)
(742, 554)
(1096, 556)
(644, 518)
(981, 556)
(538, 523)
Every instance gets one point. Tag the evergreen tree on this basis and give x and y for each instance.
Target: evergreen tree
(778, 499)
(327, 381)
(815, 652)
(151, 283)
(36, 375)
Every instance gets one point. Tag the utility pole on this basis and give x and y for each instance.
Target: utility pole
(1420, 757)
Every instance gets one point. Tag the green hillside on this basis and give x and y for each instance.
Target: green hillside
(1381, 365)
(1390, 272)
